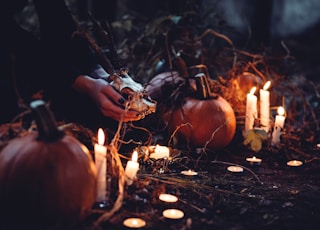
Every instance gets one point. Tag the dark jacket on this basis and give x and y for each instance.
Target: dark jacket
(50, 63)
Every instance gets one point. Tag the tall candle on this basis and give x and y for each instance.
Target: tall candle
(100, 155)
(132, 168)
(278, 125)
(251, 109)
(265, 106)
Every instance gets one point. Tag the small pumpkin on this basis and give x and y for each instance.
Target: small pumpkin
(47, 178)
(204, 120)
(163, 84)
(247, 81)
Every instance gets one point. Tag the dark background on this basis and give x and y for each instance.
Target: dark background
(249, 23)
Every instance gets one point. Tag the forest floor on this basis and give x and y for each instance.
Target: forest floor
(271, 195)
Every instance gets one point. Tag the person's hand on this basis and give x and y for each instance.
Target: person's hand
(109, 101)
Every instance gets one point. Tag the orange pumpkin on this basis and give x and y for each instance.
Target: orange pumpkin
(203, 120)
(247, 81)
(47, 178)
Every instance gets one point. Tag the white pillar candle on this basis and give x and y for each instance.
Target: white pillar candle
(278, 125)
(251, 109)
(265, 106)
(132, 168)
(100, 156)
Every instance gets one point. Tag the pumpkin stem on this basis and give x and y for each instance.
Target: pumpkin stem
(46, 123)
(203, 88)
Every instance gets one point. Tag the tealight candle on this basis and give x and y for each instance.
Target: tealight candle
(100, 156)
(160, 152)
(294, 163)
(265, 106)
(168, 198)
(189, 172)
(251, 109)
(235, 169)
(132, 168)
(173, 213)
(134, 223)
(278, 125)
(254, 160)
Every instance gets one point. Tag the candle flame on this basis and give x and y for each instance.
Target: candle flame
(253, 90)
(135, 156)
(134, 222)
(281, 111)
(267, 85)
(101, 137)
(254, 158)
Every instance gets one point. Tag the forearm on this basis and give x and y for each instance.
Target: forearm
(86, 84)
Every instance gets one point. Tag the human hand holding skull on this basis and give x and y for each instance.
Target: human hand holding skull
(136, 98)
(117, 96)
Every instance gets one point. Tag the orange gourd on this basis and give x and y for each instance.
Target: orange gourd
(203, 119)
(47, 178)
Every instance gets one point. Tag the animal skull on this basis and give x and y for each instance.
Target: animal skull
(134, 92)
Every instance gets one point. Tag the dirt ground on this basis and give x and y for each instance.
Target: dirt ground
(271, 195)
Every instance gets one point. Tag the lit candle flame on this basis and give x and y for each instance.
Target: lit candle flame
(281, 111)
(267, 85)
(135, 156)
(101, 137)
(172, 211)
(134, 222)
(253, 90)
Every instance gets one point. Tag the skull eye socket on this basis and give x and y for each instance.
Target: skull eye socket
(127, 93)
(123, 72)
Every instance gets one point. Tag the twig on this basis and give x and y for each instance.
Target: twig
(185, 183)
(224, 37)
(202, 210)
(176, 130)
(215, 131)
(257, 71)
(105, 62)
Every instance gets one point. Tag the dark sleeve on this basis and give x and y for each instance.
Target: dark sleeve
(57, 27)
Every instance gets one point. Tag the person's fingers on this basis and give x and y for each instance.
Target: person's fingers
(120, 114)
(113, 95)
(113, 105)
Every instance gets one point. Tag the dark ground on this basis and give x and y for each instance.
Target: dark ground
(269, 196)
